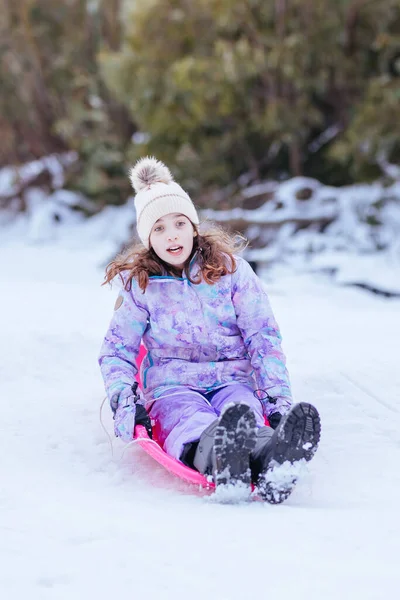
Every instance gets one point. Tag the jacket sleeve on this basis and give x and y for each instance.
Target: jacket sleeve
(262, 337)
(121, 345)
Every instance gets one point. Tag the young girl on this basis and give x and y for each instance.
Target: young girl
(214, 371)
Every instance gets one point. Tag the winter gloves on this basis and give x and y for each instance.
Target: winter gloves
(274, 419)
(142, 418)
(124, 419)
(130, 413)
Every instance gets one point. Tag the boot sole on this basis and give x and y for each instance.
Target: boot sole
(235, 439)
(298, 439)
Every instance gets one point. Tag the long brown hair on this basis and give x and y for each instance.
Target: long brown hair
(215, 249)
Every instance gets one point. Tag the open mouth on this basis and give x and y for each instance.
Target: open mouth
(175, 249)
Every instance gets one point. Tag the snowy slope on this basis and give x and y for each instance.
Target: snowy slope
(76, 523)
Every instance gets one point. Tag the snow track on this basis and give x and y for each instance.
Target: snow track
(74, 523)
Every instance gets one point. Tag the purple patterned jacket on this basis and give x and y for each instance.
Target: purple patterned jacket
(200, 336)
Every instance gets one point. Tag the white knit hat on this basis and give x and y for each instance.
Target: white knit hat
(157, 195)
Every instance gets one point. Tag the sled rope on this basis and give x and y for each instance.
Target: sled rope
(104, 428)
(133, 442)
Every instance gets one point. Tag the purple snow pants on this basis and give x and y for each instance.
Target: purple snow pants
(183, 414)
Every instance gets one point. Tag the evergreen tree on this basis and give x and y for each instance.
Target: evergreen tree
(53, 98)
(275, 88)
(222, 90)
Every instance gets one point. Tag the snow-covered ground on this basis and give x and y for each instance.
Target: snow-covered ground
(76, 523)
(351, 232)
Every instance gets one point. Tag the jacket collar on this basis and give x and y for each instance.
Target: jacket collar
(194, 268)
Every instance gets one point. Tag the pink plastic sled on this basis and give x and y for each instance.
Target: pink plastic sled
(155, 451)
(169, 463)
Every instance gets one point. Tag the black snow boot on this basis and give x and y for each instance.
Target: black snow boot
(225, 446)
(296, 438)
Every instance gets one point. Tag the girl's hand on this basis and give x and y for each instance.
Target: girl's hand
(127, 416)
(142, 418)
(124, 419)
(274, 419)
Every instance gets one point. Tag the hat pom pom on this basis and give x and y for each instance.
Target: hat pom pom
(147, 171)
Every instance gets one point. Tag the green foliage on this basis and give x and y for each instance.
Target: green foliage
(216, 88)
(225, 88)
(55, 98)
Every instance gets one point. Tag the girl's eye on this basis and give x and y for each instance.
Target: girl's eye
(158, 228)
(180, 223)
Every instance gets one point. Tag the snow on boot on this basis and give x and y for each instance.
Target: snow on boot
(294, 441)
(234, 440)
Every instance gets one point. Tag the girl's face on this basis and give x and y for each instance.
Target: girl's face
(172, 239)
